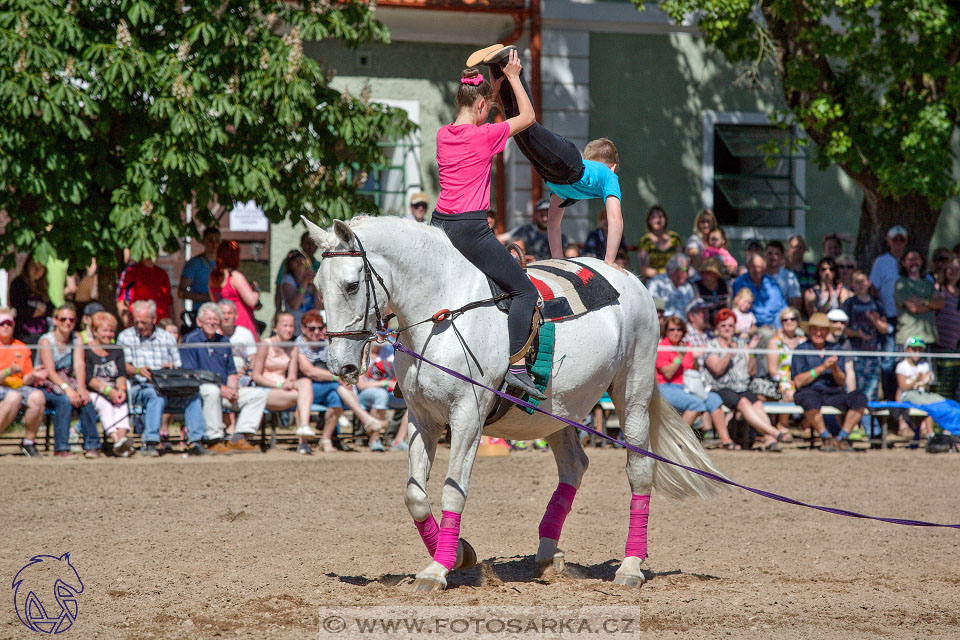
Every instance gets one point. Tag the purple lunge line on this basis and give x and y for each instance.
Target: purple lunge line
(706, 474)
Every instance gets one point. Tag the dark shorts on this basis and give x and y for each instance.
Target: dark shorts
(732, 398)
(813, 398)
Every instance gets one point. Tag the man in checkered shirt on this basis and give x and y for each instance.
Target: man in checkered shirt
(147, 347)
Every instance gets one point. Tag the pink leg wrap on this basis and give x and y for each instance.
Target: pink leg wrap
(637, 535)
(429, 532)
(446, 553)
(557, 510)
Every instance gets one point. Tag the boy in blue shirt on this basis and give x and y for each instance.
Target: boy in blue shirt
(569, 176)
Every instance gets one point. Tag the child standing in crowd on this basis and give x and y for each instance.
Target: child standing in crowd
(717, 248)
(103, 374)
(914, 379)
(868, 325)
(569, 176)
(465, 151)
(746, 320)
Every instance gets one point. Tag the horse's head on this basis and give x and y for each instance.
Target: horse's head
(349, 299)
(44, 583)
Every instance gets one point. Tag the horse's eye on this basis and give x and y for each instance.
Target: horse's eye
(353, 287)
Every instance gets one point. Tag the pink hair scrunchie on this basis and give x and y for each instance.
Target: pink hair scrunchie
(476, 80)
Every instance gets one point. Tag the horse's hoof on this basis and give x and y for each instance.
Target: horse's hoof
(629, 581)
(429, 584)
(551, 567)
(466, 556)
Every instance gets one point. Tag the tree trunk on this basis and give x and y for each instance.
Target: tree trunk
(879, 213)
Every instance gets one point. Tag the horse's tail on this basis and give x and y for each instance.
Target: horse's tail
(673, 439)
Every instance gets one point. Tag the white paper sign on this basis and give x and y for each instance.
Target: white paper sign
(248, 217)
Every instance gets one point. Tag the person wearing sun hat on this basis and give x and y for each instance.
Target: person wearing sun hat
(419, 203)
(820, 378)
(914, 380)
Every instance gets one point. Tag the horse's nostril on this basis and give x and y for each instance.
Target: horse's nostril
(347, 370)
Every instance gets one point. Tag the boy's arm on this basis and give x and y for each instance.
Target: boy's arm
(554, 234)
(614, 231)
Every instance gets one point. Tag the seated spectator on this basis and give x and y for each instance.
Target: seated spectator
(672, 287)
(917, 301)
(704, 222)
(203, 416)
(712, 287)
(275, 368)
(717, 248)
(171, 327)
(866, 330)
(571, 251)
(828, 293)
(729, 375)
(698, 332)
(786, 278)
(746, 322)
(914, 380)
(147, 347)
(144, 281)
(376, 387)
(84, 333)
(784, 341)
(820, 380)
(751, 247)
(419, 203)
(595, 245)
(948, 328)
(534, 234)
(838, 335)
(60, 388)
(657, 245)
(17, 379)
(297, 289)
(670, 374)
(243, 341)
(327, 389)
(195, 277)
(104, 383)
(28, 296)
(832, 246)
(805, 271)
(845, 268)
(768, 300)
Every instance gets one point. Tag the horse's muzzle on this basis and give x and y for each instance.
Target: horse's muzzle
(349, 373)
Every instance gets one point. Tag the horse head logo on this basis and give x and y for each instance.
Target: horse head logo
(56, 581)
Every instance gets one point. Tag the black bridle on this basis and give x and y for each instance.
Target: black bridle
(369, 273)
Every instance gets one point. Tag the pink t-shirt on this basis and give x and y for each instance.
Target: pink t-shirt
(464, 156)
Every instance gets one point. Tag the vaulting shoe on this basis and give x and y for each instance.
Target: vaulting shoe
(495, 54)
(523, 381)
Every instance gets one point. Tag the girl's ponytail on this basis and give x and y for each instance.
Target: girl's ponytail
(473, 86)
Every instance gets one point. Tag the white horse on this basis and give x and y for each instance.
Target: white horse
(613, 348)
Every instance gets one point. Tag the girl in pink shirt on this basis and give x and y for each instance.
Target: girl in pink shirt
(465, 151)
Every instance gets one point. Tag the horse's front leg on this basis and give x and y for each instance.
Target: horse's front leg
(571, 465)
(451, 552)
(423, 448)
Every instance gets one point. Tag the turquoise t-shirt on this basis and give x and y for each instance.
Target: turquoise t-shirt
(598, 181)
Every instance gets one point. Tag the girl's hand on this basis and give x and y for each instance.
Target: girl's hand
(288, 385)
(75, 398)
(754, 341)
(513, 67)
(115, 396)
(617, 267)
(84, 396)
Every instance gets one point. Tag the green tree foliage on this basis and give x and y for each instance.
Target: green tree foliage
(874, 83)
(115, 113)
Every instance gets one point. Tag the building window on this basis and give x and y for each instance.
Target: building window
(753, 175)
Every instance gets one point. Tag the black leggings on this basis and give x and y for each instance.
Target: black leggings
(555, 158)
(471, 235)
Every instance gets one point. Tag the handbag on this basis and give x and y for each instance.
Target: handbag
(766, 387)
(181, 383)
(693, 384)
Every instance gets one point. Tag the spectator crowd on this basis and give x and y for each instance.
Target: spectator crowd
(95, 366)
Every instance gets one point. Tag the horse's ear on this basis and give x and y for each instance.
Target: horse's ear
(343, 232)
(323, 239)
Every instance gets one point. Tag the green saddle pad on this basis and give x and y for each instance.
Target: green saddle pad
(542, 363)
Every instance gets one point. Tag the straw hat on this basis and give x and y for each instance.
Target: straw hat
(817, 320)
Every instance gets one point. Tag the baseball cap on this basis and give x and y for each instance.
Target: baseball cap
(838, 315)
(92, 308)
(916, 342)
(897, 230)
(752, 245)
(419, 198)
(696, 303)
(542, 203)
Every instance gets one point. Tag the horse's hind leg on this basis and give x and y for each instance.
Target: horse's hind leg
(631, 396)
(571, 465)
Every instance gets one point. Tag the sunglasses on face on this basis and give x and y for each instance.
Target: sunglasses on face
(788, 319)
(669, 329)
(7, 323)
(67, 319)
(844, 266)
(419, 206)
(314, 328)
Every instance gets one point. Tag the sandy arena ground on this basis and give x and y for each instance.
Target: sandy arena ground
(251, 546)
